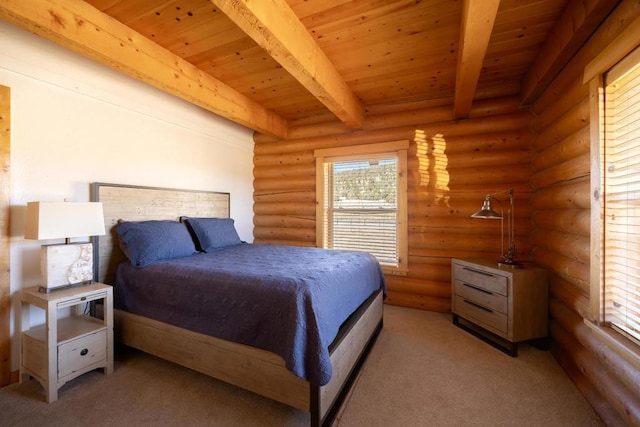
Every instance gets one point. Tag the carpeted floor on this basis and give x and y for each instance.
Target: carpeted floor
(423, 371)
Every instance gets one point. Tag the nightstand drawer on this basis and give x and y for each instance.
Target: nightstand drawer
(482, 279)
(481, 296)
(81, 353)
(485, 317)
(80, 300)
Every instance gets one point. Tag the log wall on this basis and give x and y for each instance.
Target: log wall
(561, 230)
(452, 166)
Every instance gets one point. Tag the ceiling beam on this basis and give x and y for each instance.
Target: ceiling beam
(276, 28)
(82, 28)
(478, 17)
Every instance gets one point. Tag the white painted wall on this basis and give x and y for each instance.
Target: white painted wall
(74, 122)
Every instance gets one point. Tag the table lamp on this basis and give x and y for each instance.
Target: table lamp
(487, 212)
(71, 263)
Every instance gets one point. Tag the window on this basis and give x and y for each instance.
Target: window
(620, 199)
(362, 201)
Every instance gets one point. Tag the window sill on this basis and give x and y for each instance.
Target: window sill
(617, 343)
(394, 271)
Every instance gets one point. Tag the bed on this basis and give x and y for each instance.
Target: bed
(283, 374)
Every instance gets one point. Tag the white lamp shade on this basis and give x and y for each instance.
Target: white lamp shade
(61, 220)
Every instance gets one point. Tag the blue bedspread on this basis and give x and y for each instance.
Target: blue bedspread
(285, 299)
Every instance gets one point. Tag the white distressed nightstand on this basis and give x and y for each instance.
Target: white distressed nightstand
(62, 349)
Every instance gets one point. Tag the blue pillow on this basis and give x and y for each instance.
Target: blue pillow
(148, 241)
(213, 234)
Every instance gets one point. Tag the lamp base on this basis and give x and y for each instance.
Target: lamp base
(63, 265)
(510, 263)
(45, 290)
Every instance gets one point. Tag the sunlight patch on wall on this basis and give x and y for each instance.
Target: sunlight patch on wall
(432, 164)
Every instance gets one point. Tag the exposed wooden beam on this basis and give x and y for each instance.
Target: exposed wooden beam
(578, 21)
(82, 28)
(276, 28)
(478, 17)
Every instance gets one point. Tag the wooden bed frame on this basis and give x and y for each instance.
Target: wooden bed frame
(257, 370)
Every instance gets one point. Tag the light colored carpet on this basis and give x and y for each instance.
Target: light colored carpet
(423, 371)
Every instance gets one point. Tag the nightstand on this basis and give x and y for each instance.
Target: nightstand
(501, 305)
(64, 348)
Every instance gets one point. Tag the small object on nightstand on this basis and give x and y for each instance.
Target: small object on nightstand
(502, 306)
(63, 349)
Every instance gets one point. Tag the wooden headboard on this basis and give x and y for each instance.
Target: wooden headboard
(138, 203)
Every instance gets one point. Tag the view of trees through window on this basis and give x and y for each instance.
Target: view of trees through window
(365, 183)
(362, 213)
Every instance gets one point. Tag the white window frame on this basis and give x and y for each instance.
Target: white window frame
(366, 152)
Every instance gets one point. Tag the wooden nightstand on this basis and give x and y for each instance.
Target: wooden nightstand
(511, 304)
(62, 349)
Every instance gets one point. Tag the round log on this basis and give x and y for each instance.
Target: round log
(570, 195)
(424, 271)
(278, 233)
(570, 295)
(517, 139)
(574, 246)
(573, 221)
(574, 120)
(573, 95)
(453, 242)
(285, 159)
(425, 287)
(285, 196)
(422, 302)
(301, 184)
(572, 146)
(284, 221)
(496, 158)
(263, 241)
(572, 271)
(292, 172)
(468, 194)
(455, 177)
(285, 208)
(578, 167)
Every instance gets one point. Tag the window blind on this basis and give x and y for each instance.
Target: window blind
(361, 207)
(621, 198)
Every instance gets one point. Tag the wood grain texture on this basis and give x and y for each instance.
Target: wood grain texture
(5, 247)
(478, 18)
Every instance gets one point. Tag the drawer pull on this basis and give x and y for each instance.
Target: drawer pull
(484, 273)
(477, 305)
(477, 288)
(84, 352)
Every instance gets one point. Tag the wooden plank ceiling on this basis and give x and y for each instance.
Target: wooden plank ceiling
(269, 65)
